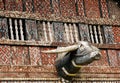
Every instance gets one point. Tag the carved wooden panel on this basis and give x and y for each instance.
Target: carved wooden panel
(84, 32)
(1, 5)
(28, 5)
(3, 28)
(42, 6)
(41, 36)
(5, 58)
(67, 8)
(31, 30)
(109, 37)
(13, 5)
(113, 59)
(35, 56)
(59, 32)
(20, 55)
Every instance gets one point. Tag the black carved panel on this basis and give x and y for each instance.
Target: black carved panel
(58, 32)
(41, 36)
(109, 37)
(84, 32)
(31, 30)
(3, 28)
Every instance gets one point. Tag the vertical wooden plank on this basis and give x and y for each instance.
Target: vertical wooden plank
(45, 31)
(50, 29)
(71, 32)
(100, 34)
(16, 29)
(31, 29)
(11, 29)
(91, 34)
(67, 32)
(95, 33)
(3, 28)
(76, 32)
(21, 30)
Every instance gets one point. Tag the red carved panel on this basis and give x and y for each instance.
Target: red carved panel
(14, 5)
(56, 7)
(19, 55)
(35, 56)
(67, 8)
(28, 5)
(1, 5)
(47, 59)
(42, 7)
(81, 8)
(5, 56)
(116, 31)
(103, 61)
(92, 8)
(104, 9)
(113, 57)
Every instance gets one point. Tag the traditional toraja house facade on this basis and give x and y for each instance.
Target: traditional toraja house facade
(28, 27)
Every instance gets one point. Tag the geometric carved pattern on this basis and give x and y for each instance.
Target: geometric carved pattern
(5, 56)
(28, 5)
(84, 32)
(3, 28)
(1, 5)
(92, 9)
(13, 5)
(104, 8)
(47, 59)
(40, 30)
(35, 56)
(69, 9)
(42, 7)
(113, 59)
(58, 32)
(31, 29)
(109, 37)
(116, 31)
(19, 55)
(80, 5)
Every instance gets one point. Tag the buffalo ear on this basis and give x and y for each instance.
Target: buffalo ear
(62, 49)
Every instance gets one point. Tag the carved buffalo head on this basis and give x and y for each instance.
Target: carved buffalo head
(71, 58)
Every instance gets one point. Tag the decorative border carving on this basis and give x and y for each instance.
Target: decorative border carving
(52, 17)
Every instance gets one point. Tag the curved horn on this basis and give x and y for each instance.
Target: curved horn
(62, 49)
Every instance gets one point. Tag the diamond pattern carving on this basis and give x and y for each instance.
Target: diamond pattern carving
(5, 56)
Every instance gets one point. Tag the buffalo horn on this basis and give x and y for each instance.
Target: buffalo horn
(62, 49)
